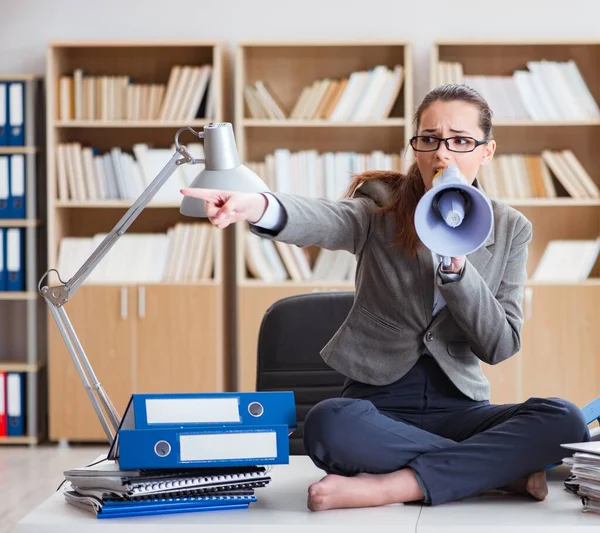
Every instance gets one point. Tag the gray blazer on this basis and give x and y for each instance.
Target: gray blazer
(390, 324)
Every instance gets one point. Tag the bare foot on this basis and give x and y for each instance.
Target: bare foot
(363, 490)
(535, 485)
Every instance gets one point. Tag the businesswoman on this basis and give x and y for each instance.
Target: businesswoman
(414, 422)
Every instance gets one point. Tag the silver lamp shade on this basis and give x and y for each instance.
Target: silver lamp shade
(222, 171)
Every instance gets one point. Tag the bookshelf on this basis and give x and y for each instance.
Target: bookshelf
(560, 342)
(140, 336)
(22, 350)
(287, 68)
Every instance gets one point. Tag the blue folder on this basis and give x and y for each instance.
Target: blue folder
(202, 447)
(14, 260)
(16, 113)
(17, 180)
(3, 114)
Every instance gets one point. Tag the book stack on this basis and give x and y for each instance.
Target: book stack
(181, 453)
(109, 492)
(584, 480)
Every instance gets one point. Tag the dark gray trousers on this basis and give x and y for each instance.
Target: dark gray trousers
(456, 446)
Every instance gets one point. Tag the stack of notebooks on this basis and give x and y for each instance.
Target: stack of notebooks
(181, 453)
(112, 493)
(584, 480)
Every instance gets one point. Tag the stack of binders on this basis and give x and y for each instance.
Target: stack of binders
(178, 453)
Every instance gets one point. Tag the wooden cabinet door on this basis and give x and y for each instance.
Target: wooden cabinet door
(179, 339)
(102, 317)
(561, 355)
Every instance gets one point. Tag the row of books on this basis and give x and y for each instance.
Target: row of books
(184, 254)
(186, 95)
(516, 176)
(363, 95)
(84, 174)
(274, 261)
(13, 172)
(548, 90)
(325, 175)
(568, 261)
(12, 404)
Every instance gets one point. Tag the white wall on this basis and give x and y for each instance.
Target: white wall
(27, 25)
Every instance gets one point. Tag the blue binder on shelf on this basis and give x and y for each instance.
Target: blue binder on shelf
(16, 196)
(203, 447)
(2, 260)
(15, 404)
(14, 260)
(146, 411)
(16, 113)
(4, 186)
(3, 113)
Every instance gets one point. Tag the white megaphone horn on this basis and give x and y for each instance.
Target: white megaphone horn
(453, 218)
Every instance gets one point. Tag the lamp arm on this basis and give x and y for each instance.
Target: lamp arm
(59, 295)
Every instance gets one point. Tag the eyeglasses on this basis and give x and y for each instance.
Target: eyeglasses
(427, 143)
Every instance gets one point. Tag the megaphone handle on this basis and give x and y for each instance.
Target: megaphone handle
(446, 261)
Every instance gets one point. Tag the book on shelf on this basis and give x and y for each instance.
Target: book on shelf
(187, 94)
(321, 175)
(363, 95)
(567, 260)
(519, 176)
(12, 404)
(85, 174)
(547, 90)
(186, 253)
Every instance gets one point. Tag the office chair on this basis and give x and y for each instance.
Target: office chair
(291, 335)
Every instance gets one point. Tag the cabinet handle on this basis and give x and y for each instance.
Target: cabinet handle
(141, 302)
(123, 303)
(528, 303)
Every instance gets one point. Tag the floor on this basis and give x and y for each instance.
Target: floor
(29, 475)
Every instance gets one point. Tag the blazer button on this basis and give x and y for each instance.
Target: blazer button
(429, 337)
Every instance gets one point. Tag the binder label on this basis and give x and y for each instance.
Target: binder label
(227, 446)
(192, 410)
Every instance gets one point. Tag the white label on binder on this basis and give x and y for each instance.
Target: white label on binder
(15, 100)
(13, 249)
(212, 447)
(192, 410)
(2, 105)
(13, 395)
(17, 185)
(4, 176)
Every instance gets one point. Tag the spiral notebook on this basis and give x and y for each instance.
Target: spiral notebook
(156, 505)
(107, 479)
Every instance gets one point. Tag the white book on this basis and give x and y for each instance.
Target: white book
(567, 260)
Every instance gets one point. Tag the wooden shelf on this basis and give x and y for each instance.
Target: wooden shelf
(18, 223)
(111, 204)
(10, 366)
(9, 295)
(308, 285)
(131, 123)
(18, 440)
(591, 282)
(526, 123)
(289, 123)
(551, 202)
(18, 150)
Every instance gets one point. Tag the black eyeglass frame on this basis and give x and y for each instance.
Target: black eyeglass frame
(445, 140)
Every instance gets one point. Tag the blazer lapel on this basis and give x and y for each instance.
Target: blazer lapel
(426, 274)
(480, 258)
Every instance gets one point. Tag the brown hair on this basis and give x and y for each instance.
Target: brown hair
(408, 189)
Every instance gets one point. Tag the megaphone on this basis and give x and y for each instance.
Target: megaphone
(453, 218)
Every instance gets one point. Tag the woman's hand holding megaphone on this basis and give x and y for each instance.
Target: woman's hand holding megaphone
(226, 207)
(456, 266)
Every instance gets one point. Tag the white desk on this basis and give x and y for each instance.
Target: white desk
(281, 506)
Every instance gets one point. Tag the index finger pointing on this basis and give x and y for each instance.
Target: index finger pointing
(203, 194)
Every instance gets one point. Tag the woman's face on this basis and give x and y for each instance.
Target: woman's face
(452, 119)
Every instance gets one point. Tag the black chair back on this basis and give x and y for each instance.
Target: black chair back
(292, 333)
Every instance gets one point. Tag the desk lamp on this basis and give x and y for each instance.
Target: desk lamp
(222, 171)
